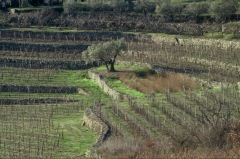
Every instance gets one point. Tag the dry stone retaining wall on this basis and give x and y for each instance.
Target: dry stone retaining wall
(95, 123)
(108, 90)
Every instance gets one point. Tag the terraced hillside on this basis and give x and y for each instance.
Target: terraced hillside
(45, 87)
(42, 105)
(215, 60)
(41, 112)
(186, 119)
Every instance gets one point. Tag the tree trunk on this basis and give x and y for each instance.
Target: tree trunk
(112, 69)
(112, 62)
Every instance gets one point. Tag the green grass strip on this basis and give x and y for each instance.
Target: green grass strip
(77, 139)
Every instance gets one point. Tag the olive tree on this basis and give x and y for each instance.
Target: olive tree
(106, 52)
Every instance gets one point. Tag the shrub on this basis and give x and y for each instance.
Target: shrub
(144, 73)
(231, 28)
(141, 73)
(43, 17)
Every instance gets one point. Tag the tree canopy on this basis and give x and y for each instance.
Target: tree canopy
(221, 9)
(169, 9)
(106, 52)
(194, 10)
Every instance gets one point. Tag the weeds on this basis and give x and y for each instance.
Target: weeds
(153, 83)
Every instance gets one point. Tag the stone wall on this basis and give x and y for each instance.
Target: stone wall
(95, 123)
(107, 89)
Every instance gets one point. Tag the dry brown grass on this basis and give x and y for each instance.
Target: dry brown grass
(154, 83)
(122, 148)
(150, 149)
(233, 137)
(202, 153)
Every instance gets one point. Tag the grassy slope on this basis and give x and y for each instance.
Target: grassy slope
(182, 124)
(48, 78)
(71, 123)
(22, 76)
(77, 139)
(116, 84)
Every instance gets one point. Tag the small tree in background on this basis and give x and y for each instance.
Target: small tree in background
(106, 52)
(194, 10)
(222, 9)
(169, 9)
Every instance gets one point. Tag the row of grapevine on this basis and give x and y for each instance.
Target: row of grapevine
(23, 134)
(210, 61)
(30, 131)
(69, 37)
